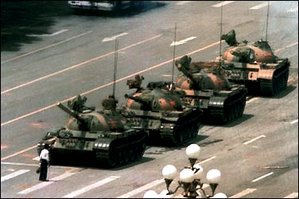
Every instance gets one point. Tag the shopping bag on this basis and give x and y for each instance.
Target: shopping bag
(38, 170)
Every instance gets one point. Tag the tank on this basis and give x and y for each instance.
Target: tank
(255, 66)
(160, 112)
(103, 136)
(206, 86)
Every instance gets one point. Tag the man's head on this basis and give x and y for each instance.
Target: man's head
(46, 146)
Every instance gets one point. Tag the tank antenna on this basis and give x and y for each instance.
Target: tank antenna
(115, 66)
(221, 14)
(173, 56)
(267, 20)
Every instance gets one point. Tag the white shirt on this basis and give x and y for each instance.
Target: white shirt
(44, 154)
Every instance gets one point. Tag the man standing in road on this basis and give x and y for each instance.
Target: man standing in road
(44, 163)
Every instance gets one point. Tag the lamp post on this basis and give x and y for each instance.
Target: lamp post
(190, 178)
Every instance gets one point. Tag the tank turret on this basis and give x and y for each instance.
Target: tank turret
(254, 65)
(206, 86)
(159, 110)
(201, 77)
(103, 136)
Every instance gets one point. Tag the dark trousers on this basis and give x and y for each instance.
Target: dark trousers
(43, 170)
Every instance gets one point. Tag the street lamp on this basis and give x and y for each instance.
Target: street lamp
(190, 177)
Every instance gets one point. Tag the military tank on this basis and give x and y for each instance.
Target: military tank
(255, 66)
(205, 86)
(159, 111)
(103, 136)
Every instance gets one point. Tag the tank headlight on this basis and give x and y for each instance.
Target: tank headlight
(161, 126)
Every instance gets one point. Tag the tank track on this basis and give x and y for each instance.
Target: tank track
(277, 84)
(231, 108)
(121, 151)
(184, 130)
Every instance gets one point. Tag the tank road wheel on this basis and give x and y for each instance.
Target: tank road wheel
(126, 155)
(178, 136)
(132, 156)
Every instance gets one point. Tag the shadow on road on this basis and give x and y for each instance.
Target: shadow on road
(22, 18)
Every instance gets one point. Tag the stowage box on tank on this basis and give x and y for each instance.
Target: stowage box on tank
(255, 65)
(206, 86)
(103, 136)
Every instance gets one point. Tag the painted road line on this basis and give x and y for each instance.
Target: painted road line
(259, 6)
(204, 161)
(19, 152)
(141, 189)
(294, 121)
(31, 165)
(254, 139)
(176, 43)
(36, 158)
(111, 83)
(252, 99)
(292, 195)
(114, 37)
(44, 184)
(49, 35)
(182, 3)
(46, 47)
(90, 187)
(80, 64)
(14, 174)
(222, 4)
(264, 176)
(243, 193)
(288, 46)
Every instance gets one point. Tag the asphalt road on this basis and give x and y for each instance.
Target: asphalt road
(257, 154)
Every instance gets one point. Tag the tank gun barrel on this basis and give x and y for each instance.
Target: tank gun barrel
(71, 112)
(186, 72)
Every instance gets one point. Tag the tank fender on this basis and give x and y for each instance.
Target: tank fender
(265, 74)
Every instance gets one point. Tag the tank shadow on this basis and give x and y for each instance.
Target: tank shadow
(230, 124)
(92, 164)
(285, 92)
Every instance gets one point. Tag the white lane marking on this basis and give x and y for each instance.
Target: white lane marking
(141, 189)
(14, 174)
(90, 187)
(259, 178)
(254, 139)
(31, 165)
(294, 121)
(17, 153)
(19, 164)
(288, 46)
(113, 37)
(44, 184)
(78, 65)
(105, 85)
(251, 100)
(46, 47)
(182, 3)
(222, 4)
(176, 43)
(243, 193)
(259, 6)
(36, 158)
(211, 158)
(292, 195)
(49, 35)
